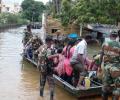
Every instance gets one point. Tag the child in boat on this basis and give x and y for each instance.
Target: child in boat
(60, 66)
(59, 69)
(92, 65)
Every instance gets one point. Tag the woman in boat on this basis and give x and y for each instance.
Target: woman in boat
(68, 53)
(59, 69)
(28, 49)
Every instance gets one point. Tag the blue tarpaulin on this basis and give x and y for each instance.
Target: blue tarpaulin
(73, 35)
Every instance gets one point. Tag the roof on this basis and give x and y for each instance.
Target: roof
(102, 28)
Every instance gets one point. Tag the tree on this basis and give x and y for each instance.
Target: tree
(66, 12)
(50, 8)
(90, 11)
(32, 9)
(97, 11)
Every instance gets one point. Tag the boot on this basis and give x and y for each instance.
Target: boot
(115, 98)
(51, 95)
(104, 96)
(41, 92)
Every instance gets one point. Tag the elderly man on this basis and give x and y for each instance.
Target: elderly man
(78, 61)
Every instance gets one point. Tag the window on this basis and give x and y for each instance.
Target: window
(54, 30)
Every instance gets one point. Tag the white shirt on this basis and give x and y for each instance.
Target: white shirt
(81, 48)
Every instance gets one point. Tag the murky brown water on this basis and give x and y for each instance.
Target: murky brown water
(19, 80)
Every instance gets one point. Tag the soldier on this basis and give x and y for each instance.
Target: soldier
(46, 67)
(111, 69)
(27, 34)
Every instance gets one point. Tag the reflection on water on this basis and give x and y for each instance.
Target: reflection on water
(19, 79)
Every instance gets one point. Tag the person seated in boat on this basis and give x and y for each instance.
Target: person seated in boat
(78, 62)
(68, 51)
(111, 68)
(37, 43)
(27, 34)
(59, 69)
(93, 64)
(29, 48)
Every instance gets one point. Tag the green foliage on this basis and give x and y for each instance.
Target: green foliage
(97, 11)
(50, 8)
(90, 11)
(66, 12)
(8, 18)
(32, 9)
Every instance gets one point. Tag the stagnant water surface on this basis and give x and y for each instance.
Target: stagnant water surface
(19, 80)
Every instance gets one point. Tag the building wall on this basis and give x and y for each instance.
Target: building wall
(54, 24)
(11, 8)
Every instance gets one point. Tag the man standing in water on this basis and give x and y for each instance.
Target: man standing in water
(46, 68)
(111, 68)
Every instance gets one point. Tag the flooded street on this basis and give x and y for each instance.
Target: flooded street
(19, 80)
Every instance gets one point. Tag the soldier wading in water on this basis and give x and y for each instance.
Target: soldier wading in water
(46, 67)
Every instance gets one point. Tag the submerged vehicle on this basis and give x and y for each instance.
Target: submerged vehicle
(36, 25)
(93, 90)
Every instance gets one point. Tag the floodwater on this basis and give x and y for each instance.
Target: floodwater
(19, 80)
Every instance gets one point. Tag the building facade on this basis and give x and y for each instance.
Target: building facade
(10, 8)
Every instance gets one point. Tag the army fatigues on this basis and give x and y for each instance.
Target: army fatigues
(113, 64)
(46, 68)
(27, 36)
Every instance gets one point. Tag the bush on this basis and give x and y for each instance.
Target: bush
(8, 18)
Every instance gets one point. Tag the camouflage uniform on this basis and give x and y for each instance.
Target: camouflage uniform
(110, 66)
(27, 36)
(46, 68)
